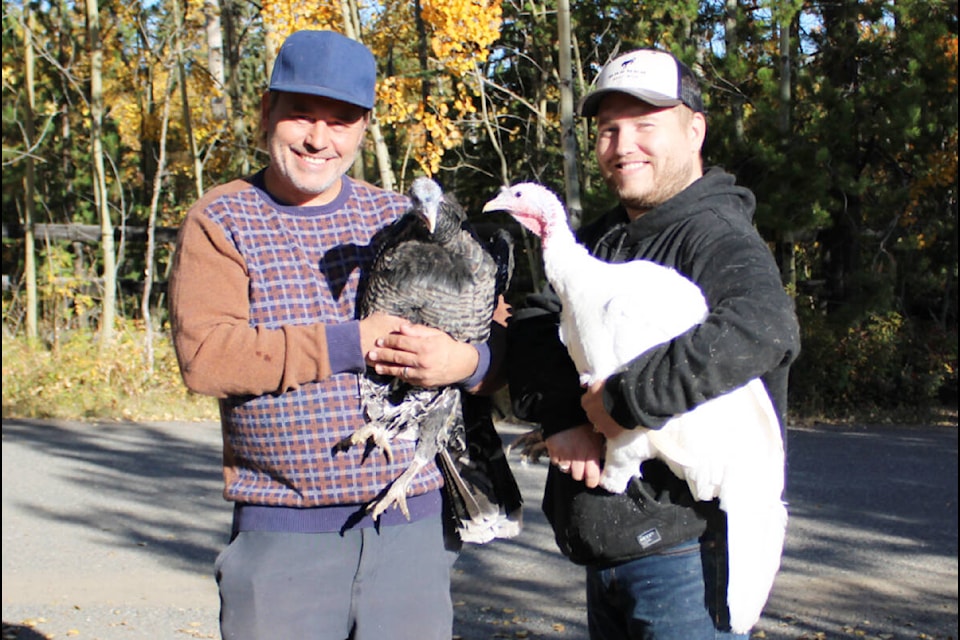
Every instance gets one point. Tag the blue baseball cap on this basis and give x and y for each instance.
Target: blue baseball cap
(327, 64)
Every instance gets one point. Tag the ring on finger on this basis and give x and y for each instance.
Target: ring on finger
(403, 374)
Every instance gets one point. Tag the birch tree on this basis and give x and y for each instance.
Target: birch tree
(571, 177)
(29, 247)
(149, 258)
(108, 256)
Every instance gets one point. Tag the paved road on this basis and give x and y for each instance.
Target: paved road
(110, 532)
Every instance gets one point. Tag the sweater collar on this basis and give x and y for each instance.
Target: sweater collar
(346, 190)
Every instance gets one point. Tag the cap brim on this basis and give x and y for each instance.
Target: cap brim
(314, 90)
(591, 102)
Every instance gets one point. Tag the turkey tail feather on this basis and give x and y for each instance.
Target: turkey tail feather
(755, 536)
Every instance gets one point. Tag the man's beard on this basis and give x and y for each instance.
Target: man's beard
(676, 178)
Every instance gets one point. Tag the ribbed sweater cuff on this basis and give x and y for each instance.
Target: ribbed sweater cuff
(252, 517)
(483, 366)
(343, 347)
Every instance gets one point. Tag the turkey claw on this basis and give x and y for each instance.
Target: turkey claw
(370, 434)
(395, 496)
(531, 446)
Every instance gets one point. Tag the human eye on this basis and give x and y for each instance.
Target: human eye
(345, 119)
(607, 130)
(337, 123)
(297, 113)
(645, 125)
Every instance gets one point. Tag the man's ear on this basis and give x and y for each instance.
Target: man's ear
(265, 104)
(697, 131)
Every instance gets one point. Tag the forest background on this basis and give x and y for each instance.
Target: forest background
(841, 115)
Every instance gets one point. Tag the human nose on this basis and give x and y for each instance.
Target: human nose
(317, 135)
(625, 141)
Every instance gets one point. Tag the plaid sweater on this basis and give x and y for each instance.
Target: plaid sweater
(262, 300)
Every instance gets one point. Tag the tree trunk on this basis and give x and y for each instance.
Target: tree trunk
(731, 40)
(215, 61)
(148, 259)
(65, 48)
(108, 306)
(185, 99)
(841, 242)
(583, 130)
(786, 73)
(568, 132)
(786, 248)
(29, 246)
(546, 70)
(238, 124)
(352, 30)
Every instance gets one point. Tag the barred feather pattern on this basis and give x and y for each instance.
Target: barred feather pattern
(433, 270)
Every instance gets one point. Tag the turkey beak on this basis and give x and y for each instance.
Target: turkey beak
(492, 206)
(504, 201)
(430, 218)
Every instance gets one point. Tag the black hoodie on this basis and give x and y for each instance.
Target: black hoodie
(706, 233)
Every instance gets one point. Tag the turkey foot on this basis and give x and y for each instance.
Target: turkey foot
(396, 493)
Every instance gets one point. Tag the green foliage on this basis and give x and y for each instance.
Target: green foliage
(65, 291)
(79, 381)
(882, 362)
(854, 165)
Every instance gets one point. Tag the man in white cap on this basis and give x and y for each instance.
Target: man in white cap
(262, 299)
(655, 558)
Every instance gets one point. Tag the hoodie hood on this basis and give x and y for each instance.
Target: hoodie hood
(715, 194)
(716, 191)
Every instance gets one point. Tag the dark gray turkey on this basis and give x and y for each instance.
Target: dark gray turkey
(433, 270)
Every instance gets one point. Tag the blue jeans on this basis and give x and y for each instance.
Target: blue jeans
(678, 594)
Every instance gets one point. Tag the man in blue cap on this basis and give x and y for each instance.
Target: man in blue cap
(262, 300)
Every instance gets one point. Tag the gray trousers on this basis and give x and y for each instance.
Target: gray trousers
(363, 585)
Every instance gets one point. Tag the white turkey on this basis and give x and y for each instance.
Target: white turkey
(729, 448)
(431, 269)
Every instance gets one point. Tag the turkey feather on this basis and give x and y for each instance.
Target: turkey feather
(432, 269)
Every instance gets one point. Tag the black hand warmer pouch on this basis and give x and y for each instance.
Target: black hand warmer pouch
(595, 527)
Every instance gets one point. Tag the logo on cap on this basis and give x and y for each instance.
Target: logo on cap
(655, 77)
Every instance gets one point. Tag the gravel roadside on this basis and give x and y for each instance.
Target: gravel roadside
(110, 531)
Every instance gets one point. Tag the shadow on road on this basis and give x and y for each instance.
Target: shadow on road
(115, 469)
(872, 539)
(871, 546)
(20, 632)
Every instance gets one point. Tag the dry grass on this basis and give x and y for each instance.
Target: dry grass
(79, 381)
(76, 381)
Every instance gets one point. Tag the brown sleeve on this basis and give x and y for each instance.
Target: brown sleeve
(219, 353)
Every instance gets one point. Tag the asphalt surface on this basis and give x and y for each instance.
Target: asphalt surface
(110, 532)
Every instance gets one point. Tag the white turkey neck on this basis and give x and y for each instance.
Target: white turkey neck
(563, 256)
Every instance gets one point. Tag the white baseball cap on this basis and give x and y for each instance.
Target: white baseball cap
(656, 77)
